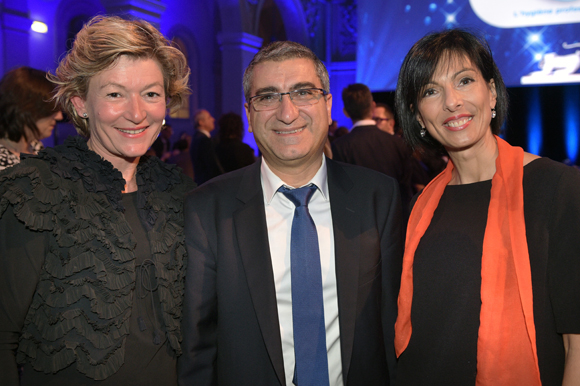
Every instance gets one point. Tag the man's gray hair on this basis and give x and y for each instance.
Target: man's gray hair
(280, 51)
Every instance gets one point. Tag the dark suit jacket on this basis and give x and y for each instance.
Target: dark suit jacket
(204, 159)
(230, 319)
(372, 148)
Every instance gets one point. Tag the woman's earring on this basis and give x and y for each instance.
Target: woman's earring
(85, 115)
(493, 113)
(423, 132)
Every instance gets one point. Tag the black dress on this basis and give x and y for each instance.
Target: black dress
(447, 277)
(91, 280)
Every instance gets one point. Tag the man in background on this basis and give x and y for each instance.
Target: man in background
(203, 156)
(366, 145)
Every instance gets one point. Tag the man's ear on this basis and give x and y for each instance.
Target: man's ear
(247, 107)
(79, 104)
(329, 107)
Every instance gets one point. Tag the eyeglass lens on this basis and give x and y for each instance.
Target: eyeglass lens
(271, 101)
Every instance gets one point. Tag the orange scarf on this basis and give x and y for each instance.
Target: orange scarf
(506, 345)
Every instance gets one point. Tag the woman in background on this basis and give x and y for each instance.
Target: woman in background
(490, 291)
(26, 113)
(232, 153)
(91, 232)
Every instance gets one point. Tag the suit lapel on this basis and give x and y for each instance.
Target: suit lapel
(251, 232)
(346, 247)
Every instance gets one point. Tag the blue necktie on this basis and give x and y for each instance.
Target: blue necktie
(307, 304)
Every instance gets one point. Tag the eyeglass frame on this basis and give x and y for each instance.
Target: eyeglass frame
(324, 93)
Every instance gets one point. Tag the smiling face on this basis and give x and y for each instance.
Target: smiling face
(455, 107)
(290, 136)
(126, 106)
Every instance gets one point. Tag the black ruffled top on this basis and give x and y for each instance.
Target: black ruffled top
(80, 310)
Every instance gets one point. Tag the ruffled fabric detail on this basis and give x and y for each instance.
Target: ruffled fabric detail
(81, 309)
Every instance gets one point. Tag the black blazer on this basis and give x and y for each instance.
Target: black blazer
(204, 159)
(230, 319)
(372, 148)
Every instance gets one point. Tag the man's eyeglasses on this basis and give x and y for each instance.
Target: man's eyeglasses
(272, 100)
(379, 120)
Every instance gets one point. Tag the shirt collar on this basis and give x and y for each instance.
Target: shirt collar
(206, 133)
(271, 182)
(364, 122)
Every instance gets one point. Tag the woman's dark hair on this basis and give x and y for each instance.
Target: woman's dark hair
(231, 126)
(419, 66)
(25, 95)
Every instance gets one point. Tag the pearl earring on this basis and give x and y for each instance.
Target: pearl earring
(493, 113)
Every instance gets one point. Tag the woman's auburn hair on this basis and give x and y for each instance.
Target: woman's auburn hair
(25, 97)
(99, 45)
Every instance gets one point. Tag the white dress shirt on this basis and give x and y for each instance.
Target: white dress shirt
(364, 122)
(279, 215)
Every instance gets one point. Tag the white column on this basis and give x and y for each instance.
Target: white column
(237, 49)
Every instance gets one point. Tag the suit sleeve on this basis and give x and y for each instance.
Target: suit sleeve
(337, 152)
(21, 257)
(196, 365)
(392, 259)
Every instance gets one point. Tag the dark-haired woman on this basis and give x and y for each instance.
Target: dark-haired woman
(26, 115)
(232, 153)
(490, 291)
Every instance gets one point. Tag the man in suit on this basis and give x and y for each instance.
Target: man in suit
(240, 324)
(366, 145)
(203, 156)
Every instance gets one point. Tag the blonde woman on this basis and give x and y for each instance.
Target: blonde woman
(91, 242)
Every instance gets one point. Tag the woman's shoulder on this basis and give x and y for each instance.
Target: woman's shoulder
(162, 176)
(7, 158)
(546, 169)
(545, 179)
(30, 190)
(22, 168)
(529, 157)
